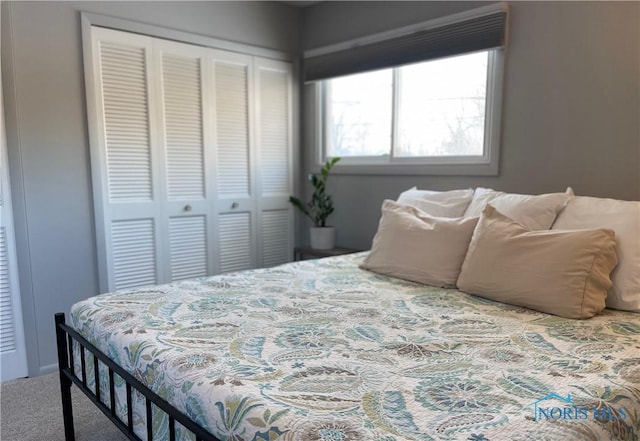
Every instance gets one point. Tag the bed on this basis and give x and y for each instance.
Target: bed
(323, 350)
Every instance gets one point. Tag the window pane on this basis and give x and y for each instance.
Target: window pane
(442, 107)
(359, 114)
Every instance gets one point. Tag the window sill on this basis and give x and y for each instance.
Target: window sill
(481, 169)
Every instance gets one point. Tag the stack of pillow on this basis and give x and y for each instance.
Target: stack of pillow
(558, 253)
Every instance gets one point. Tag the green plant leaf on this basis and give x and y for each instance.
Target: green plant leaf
(298, 204)
(320, 206)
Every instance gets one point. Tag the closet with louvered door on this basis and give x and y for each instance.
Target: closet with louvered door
(191, 159)
(124, 161)
(234, 158)
(185, 179)
(13, 349)
(274, 176)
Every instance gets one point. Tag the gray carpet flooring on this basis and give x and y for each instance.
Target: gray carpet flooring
(30, 410)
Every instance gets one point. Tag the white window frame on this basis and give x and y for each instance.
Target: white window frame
(485, 165)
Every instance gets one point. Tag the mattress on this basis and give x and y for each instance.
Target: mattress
(322, 350)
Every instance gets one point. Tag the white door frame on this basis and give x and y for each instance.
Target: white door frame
(13, 362)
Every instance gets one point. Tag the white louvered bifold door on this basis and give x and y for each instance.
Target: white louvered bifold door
(126, 185)
(233, 162)
(13, 354)
(191, 159)
(187, 181)
(274, 141)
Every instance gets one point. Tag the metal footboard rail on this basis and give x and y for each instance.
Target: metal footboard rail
(65, 336)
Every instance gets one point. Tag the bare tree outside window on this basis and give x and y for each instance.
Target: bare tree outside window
(466, 132)
(360, 114)
(439, 110)
(442, 107)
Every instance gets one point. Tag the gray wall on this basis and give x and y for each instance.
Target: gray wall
(571, 117)
(571, 105)
(43, 83)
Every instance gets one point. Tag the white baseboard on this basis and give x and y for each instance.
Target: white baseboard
(44, 370)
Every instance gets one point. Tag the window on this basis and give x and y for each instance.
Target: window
(425, 99)
(439, 111)
(441, 107)
(423, 113)
(358, 114)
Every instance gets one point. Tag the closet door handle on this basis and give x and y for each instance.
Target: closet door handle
(234, 205)
(187, 208)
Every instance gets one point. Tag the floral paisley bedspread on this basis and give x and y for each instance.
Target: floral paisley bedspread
(321, 350)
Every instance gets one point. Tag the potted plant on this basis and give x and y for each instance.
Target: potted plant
(319, 208)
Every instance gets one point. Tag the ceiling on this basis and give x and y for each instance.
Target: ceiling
(300, 4)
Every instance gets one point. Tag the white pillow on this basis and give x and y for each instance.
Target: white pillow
(535, 212)
(414, 246)
(481, 197)
(566, 273)
(438, 203)
(623, 217)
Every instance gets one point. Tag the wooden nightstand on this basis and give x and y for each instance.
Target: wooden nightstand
(299, 253)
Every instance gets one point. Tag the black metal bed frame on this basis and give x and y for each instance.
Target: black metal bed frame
(65, 336)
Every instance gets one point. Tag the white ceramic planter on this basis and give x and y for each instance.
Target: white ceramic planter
(322, 238)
